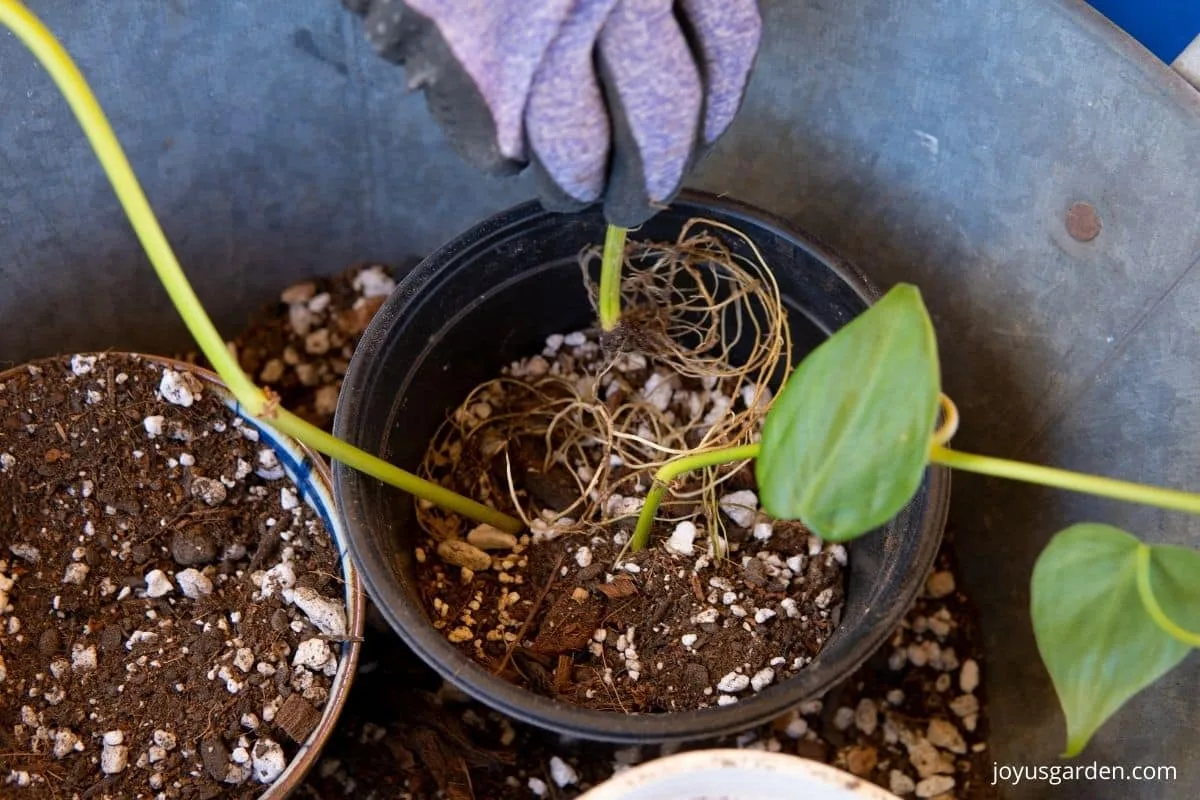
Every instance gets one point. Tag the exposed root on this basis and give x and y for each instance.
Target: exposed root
(703, 335)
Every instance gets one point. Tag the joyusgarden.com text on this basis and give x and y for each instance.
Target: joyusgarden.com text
(1055, 774)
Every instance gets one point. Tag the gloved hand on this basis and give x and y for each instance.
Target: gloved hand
(609, 100)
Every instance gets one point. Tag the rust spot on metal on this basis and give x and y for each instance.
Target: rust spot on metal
(1083, 223)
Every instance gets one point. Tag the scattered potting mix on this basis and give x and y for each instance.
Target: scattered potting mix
(913, 719)
(171, 609)
(300, 347)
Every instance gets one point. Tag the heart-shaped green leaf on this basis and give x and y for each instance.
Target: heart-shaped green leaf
(846, 443)
(1098, 642)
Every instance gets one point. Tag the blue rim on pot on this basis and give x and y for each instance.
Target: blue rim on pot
(491, 296)
(308, 471)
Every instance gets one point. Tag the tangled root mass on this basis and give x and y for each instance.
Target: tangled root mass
(703, 334)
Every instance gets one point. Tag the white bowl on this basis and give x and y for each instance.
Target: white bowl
(736, 775)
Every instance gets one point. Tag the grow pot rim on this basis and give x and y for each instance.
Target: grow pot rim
(412, 624)
(309, 468)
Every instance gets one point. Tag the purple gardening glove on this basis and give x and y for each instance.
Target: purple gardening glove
(611, 101)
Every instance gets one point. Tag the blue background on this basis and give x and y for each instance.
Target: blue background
(1164, 27)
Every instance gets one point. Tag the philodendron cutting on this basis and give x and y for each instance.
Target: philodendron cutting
(843, 449)
(845, 446)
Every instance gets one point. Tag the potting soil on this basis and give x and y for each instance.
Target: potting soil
(300, 347)
(699, 618)
(172, 609)
(901, 723)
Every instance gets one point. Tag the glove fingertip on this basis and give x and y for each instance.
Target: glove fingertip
(388, 30)
(629, 197)
(552, 196)
(631, 211)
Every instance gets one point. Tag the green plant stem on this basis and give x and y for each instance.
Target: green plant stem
(1065, 479)
(672, 470)
(1150, 602)
(610, 277)
(319, 440)
(83, 103)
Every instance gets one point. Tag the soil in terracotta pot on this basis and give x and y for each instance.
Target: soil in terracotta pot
(172, 609)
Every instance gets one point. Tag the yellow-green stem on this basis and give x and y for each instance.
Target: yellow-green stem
(74, 88)
(610, 277)
(672, 470)
(336, 449)
(1150, 602)
(1065, 479)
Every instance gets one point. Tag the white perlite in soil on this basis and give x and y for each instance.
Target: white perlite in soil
(754, 576)
(160, 631)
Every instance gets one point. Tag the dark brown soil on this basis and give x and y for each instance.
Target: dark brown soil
(568, 613)
(931, 721)
(614, 639)
(122, 677)
(404, 734)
